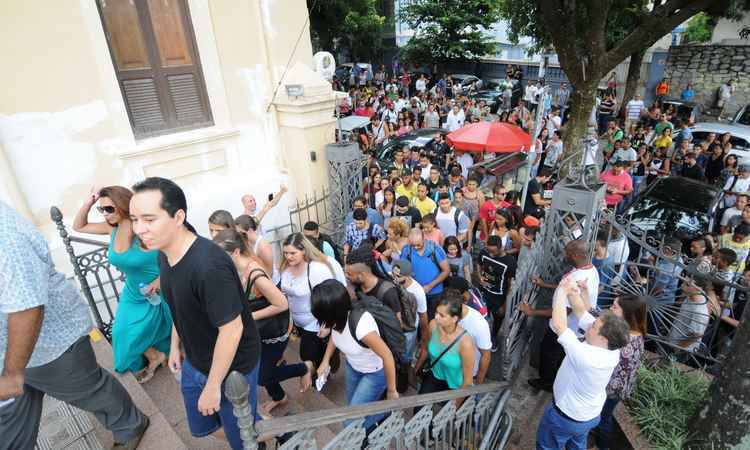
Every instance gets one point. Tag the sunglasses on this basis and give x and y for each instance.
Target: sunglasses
(105, 209)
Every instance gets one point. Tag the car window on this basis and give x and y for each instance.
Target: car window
(739, 143)
(699, 136)
(744, 119)
(386, 153)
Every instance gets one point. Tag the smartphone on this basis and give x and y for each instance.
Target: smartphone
(270, 197)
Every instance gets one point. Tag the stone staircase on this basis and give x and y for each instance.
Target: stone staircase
(161, 400)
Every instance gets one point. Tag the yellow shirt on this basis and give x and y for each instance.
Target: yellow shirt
(410, 192)
(426, 206)
(742, 249)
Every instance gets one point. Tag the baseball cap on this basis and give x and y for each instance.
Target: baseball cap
(404, 267)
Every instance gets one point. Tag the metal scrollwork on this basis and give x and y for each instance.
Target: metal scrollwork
(349, 438)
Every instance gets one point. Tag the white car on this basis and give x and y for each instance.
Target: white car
(740, 137)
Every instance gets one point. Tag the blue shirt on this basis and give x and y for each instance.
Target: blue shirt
(355, 236)
(28, 279)
(424, 268)
(687, 95)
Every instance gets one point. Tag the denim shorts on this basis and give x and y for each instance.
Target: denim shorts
(192, 383)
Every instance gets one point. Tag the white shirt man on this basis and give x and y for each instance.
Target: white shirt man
(390, 115)
(738, 184)
(455, 119)
(634, 108)
(530, 93)
(401, 103)
(554, 151)
(421, 84)
(467, 162)
(402, 273)
(445, 217)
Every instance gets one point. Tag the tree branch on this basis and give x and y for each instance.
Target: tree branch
(654, 27)
(551, 14)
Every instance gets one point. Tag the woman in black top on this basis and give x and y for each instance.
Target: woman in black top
(639, 168)
(271, 314)
(715, 163)
(606, 111)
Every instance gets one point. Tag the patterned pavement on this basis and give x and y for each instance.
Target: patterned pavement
(65, 427)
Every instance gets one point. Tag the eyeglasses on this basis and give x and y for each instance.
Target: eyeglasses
(105, 209)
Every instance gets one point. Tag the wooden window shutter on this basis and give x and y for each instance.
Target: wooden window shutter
(154, 53)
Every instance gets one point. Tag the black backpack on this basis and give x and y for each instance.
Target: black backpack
(406, 299)
(385, 318)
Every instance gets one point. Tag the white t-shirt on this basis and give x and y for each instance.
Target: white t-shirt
(580, 384)
(634, 109)
(691, 320)
(297, 290)
(554, 152)
(421, 85)
(447, 222)
(728, 215)
(467, 162)
(591, 275)
(362, 359)
(530, 93)
(479, 330)
(742, 185)
(416, 289)
(625, 154)
(455, 121)
(426, 172)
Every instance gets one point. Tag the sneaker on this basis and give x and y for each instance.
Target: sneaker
(132, 444)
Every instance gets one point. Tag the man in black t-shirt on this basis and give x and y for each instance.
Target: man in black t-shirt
(212, 320)
(409, 213)
(535, 202)
(496, 272)
(358, 271)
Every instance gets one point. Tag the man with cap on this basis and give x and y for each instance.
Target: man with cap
(402, 273)
(619, 183)
(736, 185)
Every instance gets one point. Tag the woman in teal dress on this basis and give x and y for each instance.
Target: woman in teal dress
(142, 327)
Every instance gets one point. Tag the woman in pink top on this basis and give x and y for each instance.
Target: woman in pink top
(431, 231)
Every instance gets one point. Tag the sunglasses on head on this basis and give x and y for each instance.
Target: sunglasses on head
(105, 209)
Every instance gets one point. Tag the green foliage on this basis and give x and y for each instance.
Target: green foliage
(698, 29)
(664, 399)
(449, 30)
(353, 26)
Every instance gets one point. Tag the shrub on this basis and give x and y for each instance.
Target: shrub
(665, 398)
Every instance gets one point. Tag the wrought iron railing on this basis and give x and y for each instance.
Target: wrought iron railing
(480, 422)
(99, 281)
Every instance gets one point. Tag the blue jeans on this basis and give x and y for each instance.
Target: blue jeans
(607, 424)
(560, 433)
(364, 388)
(192, 383)
(411, 345)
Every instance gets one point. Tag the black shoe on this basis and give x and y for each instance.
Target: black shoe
(539, 385)
(132, 444)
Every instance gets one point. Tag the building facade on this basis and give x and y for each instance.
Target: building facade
(105, 92)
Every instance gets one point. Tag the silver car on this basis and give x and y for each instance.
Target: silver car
(740, 136)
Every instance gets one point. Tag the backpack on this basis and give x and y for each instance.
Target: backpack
(406, 299)
(456, 215)
(476, 301)
(388, 325)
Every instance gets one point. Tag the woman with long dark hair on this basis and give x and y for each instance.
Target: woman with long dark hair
(271, 314)
(142, 329)
(633, 309)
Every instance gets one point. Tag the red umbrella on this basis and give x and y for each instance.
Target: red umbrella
(497, 137)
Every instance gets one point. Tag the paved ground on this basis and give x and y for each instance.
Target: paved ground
(65, 427)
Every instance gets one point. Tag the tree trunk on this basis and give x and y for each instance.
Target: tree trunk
(577, 127)
(723, 422)
(631, 83)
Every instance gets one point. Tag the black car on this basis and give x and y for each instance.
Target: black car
(492, 98)
(420, 137)
(674, 206)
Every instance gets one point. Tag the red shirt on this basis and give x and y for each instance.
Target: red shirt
(619, 182)
(487, 212)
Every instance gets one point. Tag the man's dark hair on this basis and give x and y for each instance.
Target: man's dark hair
(494, 241)
(330, 304)
(359, 214)
(246, 222)
(742, 229)
(728, 255)
(444, 196)
(402, 202)
(615, 330)
(311, 225)
(172, 197)
(443, 183)
(544, 172)
(359, 198)
(458, 284)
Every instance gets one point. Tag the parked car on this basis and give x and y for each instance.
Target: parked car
(465, 81)
(343, 71)
(740, 136)
(686, 111)
(420, 137)
(742, 118)
(674, 206)
(492, 98)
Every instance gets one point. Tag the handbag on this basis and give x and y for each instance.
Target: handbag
(269, 328)
(426, 369)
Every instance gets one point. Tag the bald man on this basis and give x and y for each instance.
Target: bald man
(430, 267)
(250, 206)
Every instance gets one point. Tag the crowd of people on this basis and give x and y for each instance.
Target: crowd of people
(418, 287)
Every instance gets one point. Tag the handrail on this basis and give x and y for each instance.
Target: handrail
(315, 419)
(81, 240)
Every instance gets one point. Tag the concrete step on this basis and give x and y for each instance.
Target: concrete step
(160, 434)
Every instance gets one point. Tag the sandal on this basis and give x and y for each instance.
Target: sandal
(148, 372)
